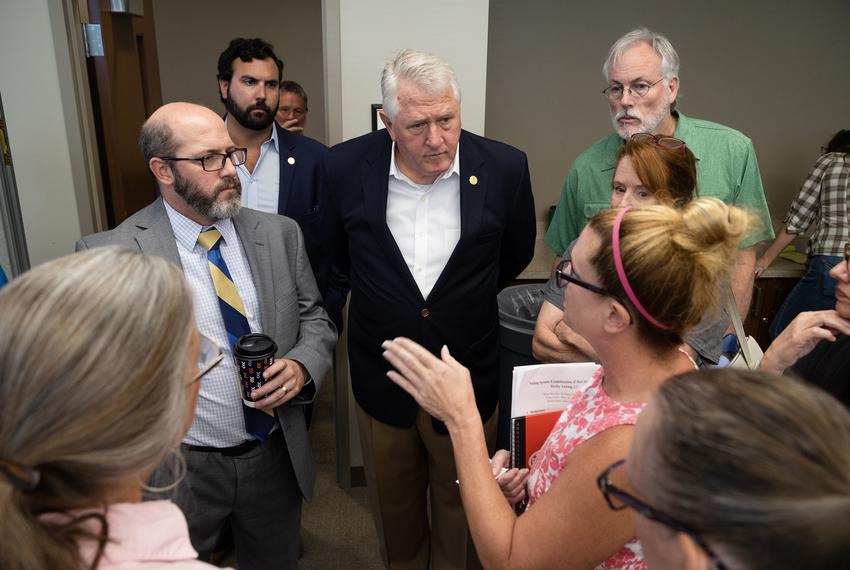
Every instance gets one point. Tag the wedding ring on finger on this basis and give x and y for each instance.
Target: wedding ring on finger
(283, 389)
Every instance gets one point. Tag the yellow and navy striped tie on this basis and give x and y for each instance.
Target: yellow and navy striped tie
(257, 422)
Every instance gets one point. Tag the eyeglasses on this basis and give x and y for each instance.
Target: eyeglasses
(216, 161)
(618, 500)
(671, 143)
(637, 89)
(564, 274)
(210, 355)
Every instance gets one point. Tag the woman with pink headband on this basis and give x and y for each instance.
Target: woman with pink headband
(650, 170)
(638, 280)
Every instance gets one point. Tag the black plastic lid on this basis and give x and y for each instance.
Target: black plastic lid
(255, 344)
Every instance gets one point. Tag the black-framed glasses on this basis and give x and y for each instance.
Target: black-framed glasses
(216, 161)
(665, 141)
(565, 274)
(619, 499)
(637, 89)
(210, 355)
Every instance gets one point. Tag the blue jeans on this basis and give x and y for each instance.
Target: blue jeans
(814, 292)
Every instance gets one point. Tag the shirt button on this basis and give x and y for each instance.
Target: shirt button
(424, 313)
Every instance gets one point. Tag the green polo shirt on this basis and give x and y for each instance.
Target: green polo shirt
(726, 169)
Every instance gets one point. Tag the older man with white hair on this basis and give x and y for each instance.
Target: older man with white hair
(642, 71)
(430, 222)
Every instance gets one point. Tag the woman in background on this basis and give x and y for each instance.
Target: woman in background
(823, 200)
(638, 280)
(99, 372)
(733, 469)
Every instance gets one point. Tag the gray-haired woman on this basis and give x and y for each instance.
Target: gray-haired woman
(734, 469)
(99, 367)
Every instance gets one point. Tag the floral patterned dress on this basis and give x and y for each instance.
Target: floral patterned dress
(590, 412)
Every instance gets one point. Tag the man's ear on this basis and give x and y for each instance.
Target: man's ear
(673, 88)
(222, 88)
(161, 170)
(387, 123)
(618, 318)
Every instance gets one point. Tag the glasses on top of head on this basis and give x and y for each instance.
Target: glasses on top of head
(639, 88)
(671, 143)
(210, 355)
(216, 161)
(619, 499)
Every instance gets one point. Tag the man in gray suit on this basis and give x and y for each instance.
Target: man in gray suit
(240, 477)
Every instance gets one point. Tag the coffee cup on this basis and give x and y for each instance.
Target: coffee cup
(253, 353)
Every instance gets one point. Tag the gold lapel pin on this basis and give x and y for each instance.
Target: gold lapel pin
(473, 180)
(290, 160)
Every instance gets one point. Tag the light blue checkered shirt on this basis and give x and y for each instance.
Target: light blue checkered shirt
(219, 420)
(261, 186)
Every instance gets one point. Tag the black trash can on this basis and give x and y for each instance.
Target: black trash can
(518, 308)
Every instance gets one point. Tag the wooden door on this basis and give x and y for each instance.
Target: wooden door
(125, 90)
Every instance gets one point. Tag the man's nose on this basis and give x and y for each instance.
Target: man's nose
(228, 170)
(627, 99)
(433, 136)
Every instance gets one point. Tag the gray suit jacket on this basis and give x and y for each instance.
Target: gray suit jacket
(290, 305)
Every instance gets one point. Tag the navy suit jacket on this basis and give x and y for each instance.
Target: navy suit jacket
(496, 243)
(300, 159)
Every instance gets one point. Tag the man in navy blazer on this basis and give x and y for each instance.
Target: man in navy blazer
(429, 222)
(281, 173)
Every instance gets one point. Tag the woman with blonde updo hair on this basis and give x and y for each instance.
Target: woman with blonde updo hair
(99, 368)
(651, 170)
(733, 469)
(638, 280)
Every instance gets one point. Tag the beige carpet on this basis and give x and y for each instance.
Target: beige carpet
(336, 528)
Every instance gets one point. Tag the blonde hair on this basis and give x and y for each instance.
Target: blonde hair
(757, 464)
(93, 354)
(676, 260)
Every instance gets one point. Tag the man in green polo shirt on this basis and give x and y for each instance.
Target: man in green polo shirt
(642, 72)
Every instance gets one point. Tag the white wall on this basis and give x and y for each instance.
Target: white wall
(31, 88)
(372, 31)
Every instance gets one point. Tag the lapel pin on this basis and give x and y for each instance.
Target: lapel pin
(290, 160)
(473, 180)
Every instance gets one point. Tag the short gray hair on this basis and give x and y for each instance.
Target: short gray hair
(658, 42)
(428, 71)
(94, 351)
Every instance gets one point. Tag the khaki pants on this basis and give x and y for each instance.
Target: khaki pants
(404, 468)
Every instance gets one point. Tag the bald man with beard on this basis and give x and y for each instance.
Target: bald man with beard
(247, 469)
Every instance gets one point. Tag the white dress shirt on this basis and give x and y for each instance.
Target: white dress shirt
(219, 420)
(261, 187)
(425, 221)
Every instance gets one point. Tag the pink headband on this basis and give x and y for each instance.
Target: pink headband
(621, 273)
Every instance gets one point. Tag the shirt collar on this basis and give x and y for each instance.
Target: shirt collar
(186, 231)
(399, 175)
